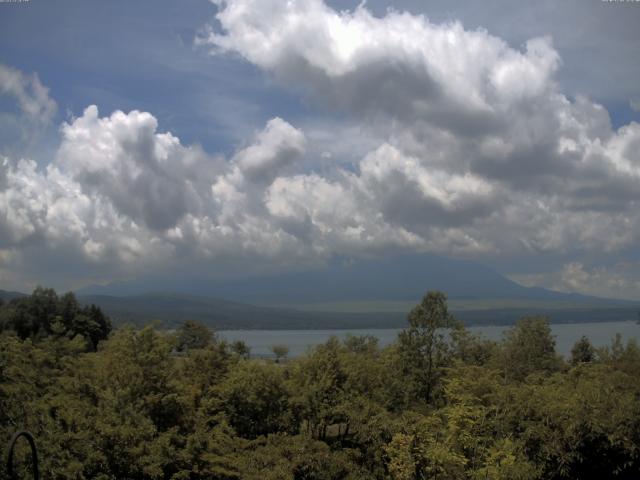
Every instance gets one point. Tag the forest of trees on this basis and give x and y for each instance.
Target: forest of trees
(439, 403)
(44, 313)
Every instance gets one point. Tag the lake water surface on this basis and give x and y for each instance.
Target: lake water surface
(299, 341)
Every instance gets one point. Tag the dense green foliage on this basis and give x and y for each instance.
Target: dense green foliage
(440, 403)
(44, 313)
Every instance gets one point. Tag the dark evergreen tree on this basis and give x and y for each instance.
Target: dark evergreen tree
(582, 351)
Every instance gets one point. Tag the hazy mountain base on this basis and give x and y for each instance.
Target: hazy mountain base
(455, 305)
(395, 278)
(425, 407)
(171, 310)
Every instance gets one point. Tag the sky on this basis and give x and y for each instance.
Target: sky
(156, 138)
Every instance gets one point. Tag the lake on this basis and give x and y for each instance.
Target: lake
(299, 341)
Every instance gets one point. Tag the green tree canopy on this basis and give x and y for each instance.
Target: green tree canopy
(529, 347)
(582, 351)
(193, 335)
(43, 313)
(424, 346)
(280, 352)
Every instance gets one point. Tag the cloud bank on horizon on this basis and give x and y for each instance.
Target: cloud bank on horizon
(473, 151)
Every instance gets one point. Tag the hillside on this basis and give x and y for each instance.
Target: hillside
(401, 278)
(347, 294)
(7, 295)
(172, 309)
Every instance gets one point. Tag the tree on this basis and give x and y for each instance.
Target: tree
(582, 351)
(43, 313)
(361, 343)
(472, 348)
(318, 382)
(241, 349)
(255, 400)
(620, 356)
(286, 457)
(34, 315)
(43, 308)
(529, 347)
(574, 425)
(68, 309)
(193, 335)
(91, 324)
(280, 351)
(424, 347)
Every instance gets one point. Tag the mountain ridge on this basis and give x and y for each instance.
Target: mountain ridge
(171, 309)
(402, 277)
(371, 293)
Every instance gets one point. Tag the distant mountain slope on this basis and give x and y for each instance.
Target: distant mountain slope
(395, 278)
(8, 295)
(405, 277)
(362, 293)
(172, 309)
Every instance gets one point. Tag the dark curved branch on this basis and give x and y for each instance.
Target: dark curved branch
(34, 454)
